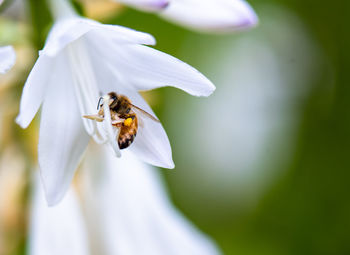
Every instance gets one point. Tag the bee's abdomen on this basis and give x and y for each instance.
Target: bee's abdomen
(127, 134)
(125, 140)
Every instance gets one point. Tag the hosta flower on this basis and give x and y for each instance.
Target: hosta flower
(126, 213)
(81, 61)
(147, 5)
(7, 58)
(204, 15)
(211, 15)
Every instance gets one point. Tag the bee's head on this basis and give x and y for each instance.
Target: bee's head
(113, 100)
(112, 95)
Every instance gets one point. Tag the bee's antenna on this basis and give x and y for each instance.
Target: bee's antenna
(98, 104)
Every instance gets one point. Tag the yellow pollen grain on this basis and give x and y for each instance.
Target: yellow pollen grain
(128, 122)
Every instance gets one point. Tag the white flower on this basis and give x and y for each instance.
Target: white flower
(205, 15)
(211, 15)
(7, 58)
(147, 5)
(56, 230)
(125, 211)
(126, 202)
(81, 61)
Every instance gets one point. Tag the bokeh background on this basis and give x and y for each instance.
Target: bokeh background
(262, 165)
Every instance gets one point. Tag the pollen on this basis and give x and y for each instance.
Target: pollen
(128, 122)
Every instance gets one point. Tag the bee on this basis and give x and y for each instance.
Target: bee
(123, 116)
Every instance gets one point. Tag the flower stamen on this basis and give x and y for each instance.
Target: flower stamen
(111, 134)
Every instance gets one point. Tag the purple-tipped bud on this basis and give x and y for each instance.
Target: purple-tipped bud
(212, 15)
(146, 5)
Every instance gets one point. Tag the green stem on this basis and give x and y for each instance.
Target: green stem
(41, 20)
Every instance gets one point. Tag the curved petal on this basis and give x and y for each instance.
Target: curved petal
(151, 144)
(146, 5)
(211, 15)
(7, 58)
(121, 35)
(145, 68)
(66, 31)
(62, 138)
(56, 230)
(34, 90)
(129, 205)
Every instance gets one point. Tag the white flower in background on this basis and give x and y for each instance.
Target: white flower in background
(7, 58)
(81, 61)
(205, 15)
(211, 15)
(56, 230)
(125, 201)
(147, 5)
(126, 212)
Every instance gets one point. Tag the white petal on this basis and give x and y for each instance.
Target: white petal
(34, 90)
(145, 68)
(129, 206)
(7, 58)
(211, 15)
(121, 35)
(151, 144)
(68, 30)
(56, 230)
(147, 5)
(62, 138)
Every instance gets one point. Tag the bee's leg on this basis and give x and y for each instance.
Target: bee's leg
(117, 123)
(94, 117)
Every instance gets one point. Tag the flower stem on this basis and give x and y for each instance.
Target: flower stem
(62, 9)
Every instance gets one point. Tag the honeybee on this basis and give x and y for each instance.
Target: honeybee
(123, 116)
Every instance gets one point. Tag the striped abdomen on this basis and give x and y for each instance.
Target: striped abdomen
(127, 134)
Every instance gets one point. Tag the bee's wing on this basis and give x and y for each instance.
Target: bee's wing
(138, 110)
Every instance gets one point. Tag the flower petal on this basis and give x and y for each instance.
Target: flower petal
(34, 90)
(7, 58)
(120, 35)
(62, 138)
(129, 205)
(56, 230)
(211, 15)
(66, 31)
(151, 144)
(145, 68)
(147, 5)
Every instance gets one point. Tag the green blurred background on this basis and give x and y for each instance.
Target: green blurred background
(262, 166)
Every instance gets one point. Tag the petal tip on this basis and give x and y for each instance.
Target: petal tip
(169, 165)
(210, 89)
(21, 122)
(250, 21)
(163, 4)
(52, 198)
(52, 195)
(156, 5)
